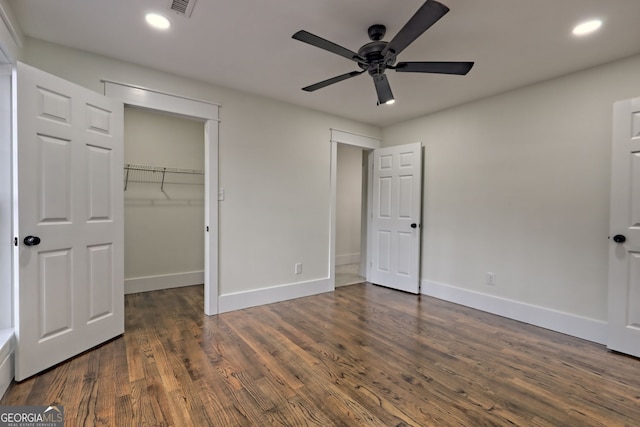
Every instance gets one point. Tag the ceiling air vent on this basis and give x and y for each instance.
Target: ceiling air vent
(182, 7)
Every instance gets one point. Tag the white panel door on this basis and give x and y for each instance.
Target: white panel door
(624, 249)
(396, 217)
(69, 225)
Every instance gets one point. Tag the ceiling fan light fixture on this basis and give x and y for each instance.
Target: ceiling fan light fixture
(157, 21)
(587, 27)
(385, 96)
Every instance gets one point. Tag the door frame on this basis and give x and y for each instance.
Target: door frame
(137, 96)
(369, 144)
(10, 46)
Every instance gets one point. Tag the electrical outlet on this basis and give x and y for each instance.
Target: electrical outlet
(220, 194)
(491, 279)
(298, 268)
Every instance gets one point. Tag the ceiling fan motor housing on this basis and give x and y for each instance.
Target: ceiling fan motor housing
(375, 63)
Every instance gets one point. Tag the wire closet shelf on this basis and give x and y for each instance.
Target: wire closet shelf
(160, 175)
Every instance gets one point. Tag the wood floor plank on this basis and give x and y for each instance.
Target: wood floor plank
(91, 405)
(360, 356)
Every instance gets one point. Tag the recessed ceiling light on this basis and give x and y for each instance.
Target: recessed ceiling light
(587, 27)
(157, 21)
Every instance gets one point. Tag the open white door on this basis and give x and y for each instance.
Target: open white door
(396, 217)
(69, 256)
(624, 250)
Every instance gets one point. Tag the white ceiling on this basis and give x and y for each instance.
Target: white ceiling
(247, 45)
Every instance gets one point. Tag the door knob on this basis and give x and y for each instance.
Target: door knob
(414, 225)
(31, 240)
(619, 238)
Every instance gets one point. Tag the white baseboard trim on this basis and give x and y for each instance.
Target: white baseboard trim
(7, 347)
(348, 259)
(566, 323)
(165, 281)
(255, 297)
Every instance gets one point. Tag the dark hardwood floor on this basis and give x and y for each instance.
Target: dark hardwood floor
(363, 355)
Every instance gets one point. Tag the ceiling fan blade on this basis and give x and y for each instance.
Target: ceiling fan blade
(460, 68)
(316, 41)
(382, 89)
(428, 14)
(331, 81)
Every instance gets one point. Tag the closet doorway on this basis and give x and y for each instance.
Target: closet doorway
(207, 113)
(163, 200)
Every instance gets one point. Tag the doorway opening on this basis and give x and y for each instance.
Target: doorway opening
(351, 186)
(356, 265)
(163, 200)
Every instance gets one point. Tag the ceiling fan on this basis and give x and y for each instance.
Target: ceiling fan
(378, 55)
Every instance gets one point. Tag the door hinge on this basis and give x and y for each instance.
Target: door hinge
(207, 228)
(15, 241)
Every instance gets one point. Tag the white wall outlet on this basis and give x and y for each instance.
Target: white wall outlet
(491, 279)
(220, 194)
(298, 268)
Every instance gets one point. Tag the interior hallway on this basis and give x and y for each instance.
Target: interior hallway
(348, 274)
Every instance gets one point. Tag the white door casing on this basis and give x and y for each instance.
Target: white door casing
(396, 217)
(68, 143)
(624, 257)
(368, 144)
(138, 96)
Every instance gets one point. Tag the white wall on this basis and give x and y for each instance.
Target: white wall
(164, 228)
(274, 167)
(11, 36)
(348, 204)
(518, 184)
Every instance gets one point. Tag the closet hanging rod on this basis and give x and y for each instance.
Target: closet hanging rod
(161, 170)
(147, 168)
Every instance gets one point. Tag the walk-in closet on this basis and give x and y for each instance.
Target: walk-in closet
(163, 179)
